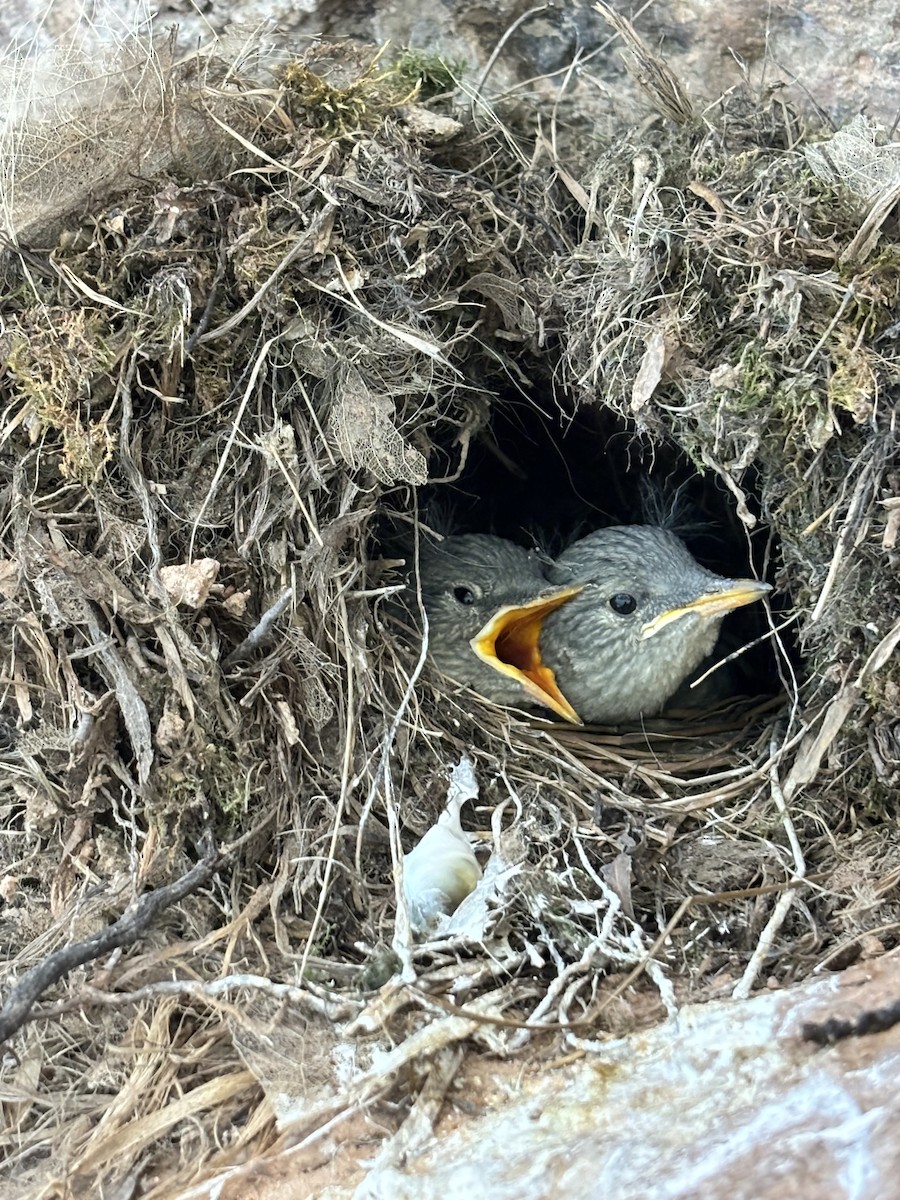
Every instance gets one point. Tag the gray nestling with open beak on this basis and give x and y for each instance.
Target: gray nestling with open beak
(486, 599)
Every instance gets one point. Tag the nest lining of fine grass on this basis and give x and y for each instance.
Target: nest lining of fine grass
(219, 378)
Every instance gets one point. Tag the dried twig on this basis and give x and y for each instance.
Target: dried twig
(134, 922)
(787, 898)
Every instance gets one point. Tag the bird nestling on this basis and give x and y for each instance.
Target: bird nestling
(646, 616)
(485, 589)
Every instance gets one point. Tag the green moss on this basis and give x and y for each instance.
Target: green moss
(342, 104)
(431, 74)
(52, 362)
(757, 381)
(337, 108)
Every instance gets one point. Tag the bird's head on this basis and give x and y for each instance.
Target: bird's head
(486, 599)
(643, 580)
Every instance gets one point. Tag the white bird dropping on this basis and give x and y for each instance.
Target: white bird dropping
(442, 869)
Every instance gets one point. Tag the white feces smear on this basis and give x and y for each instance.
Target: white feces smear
(446, 893)
(442, 869)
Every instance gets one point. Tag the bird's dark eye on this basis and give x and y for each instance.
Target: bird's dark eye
(622, 603)
(464, 595)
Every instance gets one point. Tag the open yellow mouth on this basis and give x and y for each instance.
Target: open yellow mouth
(713, 604)
(510, 643)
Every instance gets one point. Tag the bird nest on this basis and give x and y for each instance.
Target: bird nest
(255, 322)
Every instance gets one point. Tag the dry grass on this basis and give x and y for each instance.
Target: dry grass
(222, 381)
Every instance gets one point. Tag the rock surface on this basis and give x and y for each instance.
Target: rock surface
(842, 56)
(725, 1102)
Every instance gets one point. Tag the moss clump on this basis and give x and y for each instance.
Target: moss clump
(54, 365)
(336, 106)
(428, 74)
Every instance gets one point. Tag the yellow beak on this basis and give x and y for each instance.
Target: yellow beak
(511, 643)
(713, 604)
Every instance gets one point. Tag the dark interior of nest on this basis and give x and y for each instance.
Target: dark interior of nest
(542, 473)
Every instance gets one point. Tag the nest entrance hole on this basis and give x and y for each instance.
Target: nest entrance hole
(543, 472)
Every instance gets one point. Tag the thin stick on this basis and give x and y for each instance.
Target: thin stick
(498, 49)
(134, 921)
(346, 787)
(262, 629)
(232, 438)
(786, 899)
